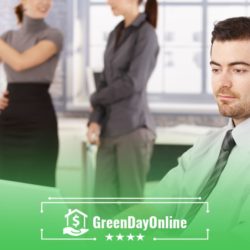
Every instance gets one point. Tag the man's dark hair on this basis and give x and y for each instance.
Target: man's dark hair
(236, 28)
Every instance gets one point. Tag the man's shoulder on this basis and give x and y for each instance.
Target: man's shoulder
(210, 138)
(212, 135)
(208, 141)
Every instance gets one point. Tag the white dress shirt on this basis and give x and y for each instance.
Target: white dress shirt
(229, 202)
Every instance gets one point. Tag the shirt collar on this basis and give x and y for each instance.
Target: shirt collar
(139, 20)
(32, 25)
(136, 23)
(241, 133)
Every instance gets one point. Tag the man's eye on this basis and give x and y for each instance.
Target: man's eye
(215, 70)
(241, 71)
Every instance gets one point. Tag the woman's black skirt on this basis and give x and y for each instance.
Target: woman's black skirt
(28, 135)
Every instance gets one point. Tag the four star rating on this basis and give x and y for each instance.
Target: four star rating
(121, 237)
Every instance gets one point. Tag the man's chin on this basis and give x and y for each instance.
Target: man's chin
(225, 111)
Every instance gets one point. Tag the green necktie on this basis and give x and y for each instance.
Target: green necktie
(226, 148)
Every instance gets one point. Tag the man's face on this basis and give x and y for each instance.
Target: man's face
(230, 66)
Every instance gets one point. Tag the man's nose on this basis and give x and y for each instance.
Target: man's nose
(225, 79)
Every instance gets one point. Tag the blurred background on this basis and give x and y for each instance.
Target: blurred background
(179, 90)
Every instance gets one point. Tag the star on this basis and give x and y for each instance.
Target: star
(109, 237)
(130, 237)
(119, 237)
(140, 237)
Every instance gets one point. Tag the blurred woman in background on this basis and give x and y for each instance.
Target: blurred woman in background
(121, 123)
(28, 124)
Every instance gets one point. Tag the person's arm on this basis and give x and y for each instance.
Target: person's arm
(95, 125)
(4, 100)
(96, 116)
(98, 110)
(172, 182)
(135, 79)
(169, 187)
(3, 37)
(241, 228)
(30, 58)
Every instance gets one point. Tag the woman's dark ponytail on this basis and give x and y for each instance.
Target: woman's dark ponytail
(151, 10)
(19, 11)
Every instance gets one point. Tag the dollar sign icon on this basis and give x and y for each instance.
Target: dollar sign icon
(76, 221)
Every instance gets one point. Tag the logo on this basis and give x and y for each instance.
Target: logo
(76, 223)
